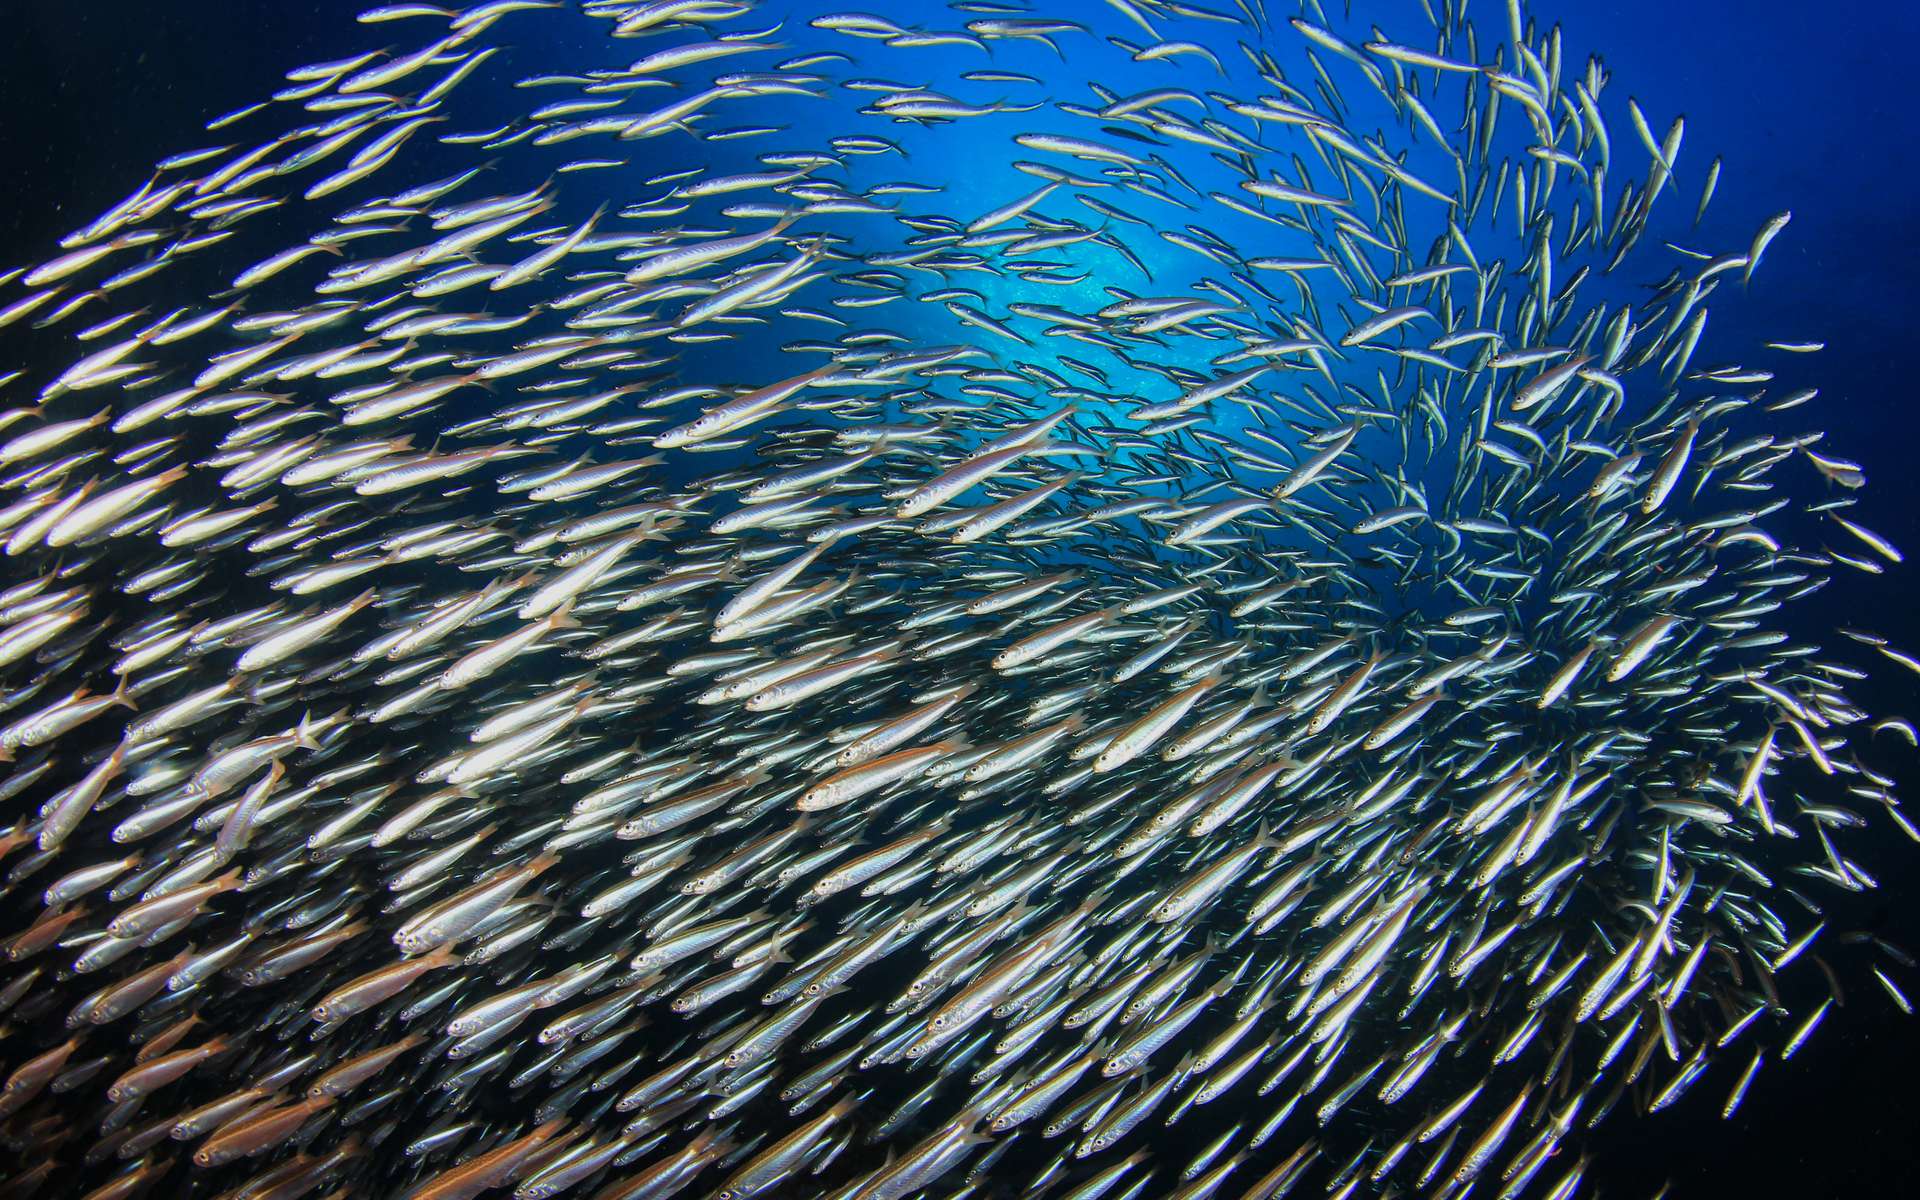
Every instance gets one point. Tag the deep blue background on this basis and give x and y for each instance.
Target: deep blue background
(1809, 104)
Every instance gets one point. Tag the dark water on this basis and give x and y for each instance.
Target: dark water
(1807, 104)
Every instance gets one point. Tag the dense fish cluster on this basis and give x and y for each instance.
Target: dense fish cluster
(807, 609)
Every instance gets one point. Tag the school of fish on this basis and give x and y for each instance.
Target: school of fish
(664, 629)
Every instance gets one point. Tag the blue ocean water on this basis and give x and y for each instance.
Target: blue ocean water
(1802, 105)
(1805, 105)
